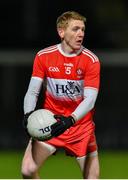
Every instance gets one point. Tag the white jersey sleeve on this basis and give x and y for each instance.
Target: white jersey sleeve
(87, 104)
(32, 94)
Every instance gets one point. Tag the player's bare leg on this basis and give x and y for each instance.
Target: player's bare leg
(34, 157)
(89, 167)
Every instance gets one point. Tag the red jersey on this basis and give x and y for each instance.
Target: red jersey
(67, 76)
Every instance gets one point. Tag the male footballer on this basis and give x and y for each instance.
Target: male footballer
(72, 75)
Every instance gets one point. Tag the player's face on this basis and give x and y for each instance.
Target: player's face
(73, 35)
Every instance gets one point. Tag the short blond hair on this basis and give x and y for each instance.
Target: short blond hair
(62, 20)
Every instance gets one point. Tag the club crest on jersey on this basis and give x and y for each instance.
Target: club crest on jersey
(79, 73)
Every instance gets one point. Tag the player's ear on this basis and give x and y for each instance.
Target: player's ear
(61, 32)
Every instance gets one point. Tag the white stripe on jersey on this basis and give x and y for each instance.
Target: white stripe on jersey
(38, 78)
(93, 57)
(65, 89)
(90, 87)
(47, 50)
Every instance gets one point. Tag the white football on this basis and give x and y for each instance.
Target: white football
(39, 124)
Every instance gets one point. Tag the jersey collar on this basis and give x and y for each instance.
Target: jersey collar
(69, 55)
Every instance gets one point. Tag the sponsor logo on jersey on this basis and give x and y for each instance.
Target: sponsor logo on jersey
(70, 89)
(53, 69)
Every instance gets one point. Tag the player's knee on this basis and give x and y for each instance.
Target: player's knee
(28, 171)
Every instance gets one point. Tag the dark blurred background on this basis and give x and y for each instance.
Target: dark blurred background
(29, 25)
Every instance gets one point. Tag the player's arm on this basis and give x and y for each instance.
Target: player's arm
(31, 97)
(32, 94)
(90, 96)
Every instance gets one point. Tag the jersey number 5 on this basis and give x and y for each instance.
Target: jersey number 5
(68, 70)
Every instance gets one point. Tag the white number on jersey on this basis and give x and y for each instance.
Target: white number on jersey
(68, 70)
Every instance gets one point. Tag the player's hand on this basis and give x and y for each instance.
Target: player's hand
(61, 125)
(25, 120)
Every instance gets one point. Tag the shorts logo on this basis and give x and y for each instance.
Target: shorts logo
(53, 69)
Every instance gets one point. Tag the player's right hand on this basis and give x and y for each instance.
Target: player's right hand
(25, 120)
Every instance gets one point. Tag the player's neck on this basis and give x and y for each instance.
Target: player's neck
(68, 53)
(68, 49)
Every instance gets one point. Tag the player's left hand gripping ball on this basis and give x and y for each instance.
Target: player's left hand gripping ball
(62, 124)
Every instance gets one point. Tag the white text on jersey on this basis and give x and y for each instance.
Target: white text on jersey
(53, 69)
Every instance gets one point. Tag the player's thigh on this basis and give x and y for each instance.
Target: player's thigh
(36, 153)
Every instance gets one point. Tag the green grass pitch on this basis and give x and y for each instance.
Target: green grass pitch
(113, 166)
